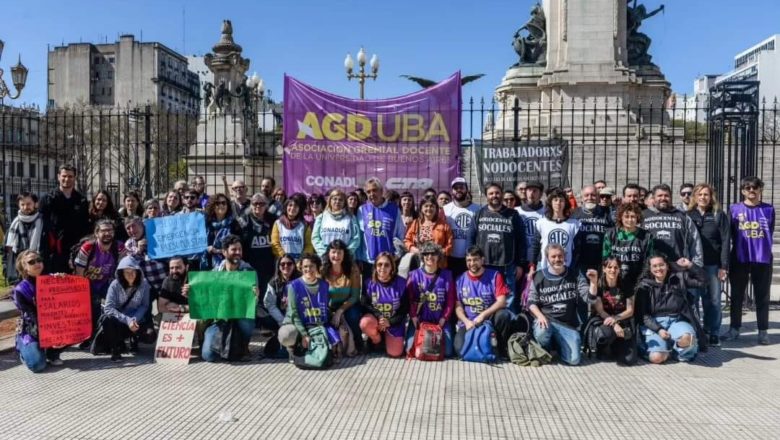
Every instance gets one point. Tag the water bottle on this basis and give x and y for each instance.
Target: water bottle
(493, 340)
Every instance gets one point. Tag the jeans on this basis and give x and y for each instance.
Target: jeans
(653, 342)
(447, 330)
(710, 301)
(245, 326)
(568, 340)
(33, 356)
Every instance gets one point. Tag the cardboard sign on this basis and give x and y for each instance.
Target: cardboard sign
(223, 295)
(64, 310)
(182, 234)
(174, 341)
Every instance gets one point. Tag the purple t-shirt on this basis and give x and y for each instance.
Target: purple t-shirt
(387, 299)
(751, 232)
(99, 266)
(437, 298)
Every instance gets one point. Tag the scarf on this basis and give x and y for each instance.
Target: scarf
(289, 224)
(25, 233)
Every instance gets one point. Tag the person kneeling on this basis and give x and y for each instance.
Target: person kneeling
(308, 314)
(482, 296)
(553, 299)
(668, 322)
(127, 302)
(387, 304)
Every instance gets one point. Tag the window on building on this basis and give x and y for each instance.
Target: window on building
(45, 171)
(110, 90)
(111, 60)
(11, 169)
(20, 169)
(96, 60)
(110, 74)
(33, 170)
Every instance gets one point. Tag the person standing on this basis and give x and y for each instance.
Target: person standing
(499, 232)
(65, 214)
(460, 214)
(752, 228)
(380, 224)
(714, 229)
(256, 226)
(336, 223)
(675, 236)
(594, 220)
(556, 226)
(25, 232)
(531, 211)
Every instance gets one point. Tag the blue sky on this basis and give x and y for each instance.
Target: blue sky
(309, 39)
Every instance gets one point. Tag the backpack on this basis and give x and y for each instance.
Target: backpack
(319, 355)
(428, 343)
(591, 335)
(478, 345)
(526, 352)
(74, 250)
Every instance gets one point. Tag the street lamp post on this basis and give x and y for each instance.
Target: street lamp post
(361, 76)
(18, 77)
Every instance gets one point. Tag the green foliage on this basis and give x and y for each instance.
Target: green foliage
(693, 131)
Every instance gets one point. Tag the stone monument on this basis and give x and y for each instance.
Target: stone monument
(228, 141)
(575, 55)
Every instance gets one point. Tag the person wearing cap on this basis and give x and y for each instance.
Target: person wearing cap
(594, 220)
(460, 214)
(431, 292)
(531, 210)
(605, 200)
(499, 232)
(686, 190)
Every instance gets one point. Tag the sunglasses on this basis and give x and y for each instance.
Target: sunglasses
(509, 199)
(429, 254)
(35, 261)
(605, 196)
(259, 204)
(751, 188)
(686, 193)
(286, 263)
(189, 197)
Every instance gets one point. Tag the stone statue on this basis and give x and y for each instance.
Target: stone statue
(638, 43)
(208, 92)
(530, 41)
(220, 95)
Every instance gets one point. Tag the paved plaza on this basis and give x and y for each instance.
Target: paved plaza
(732, 392)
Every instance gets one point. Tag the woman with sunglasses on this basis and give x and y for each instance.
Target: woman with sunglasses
(431, 226)
(387, 306)
(219, 224)
(431, 292)
(275, 304)
(315, 204)
(290, 234)
(336, 223)
(255, 235)
(29, 266)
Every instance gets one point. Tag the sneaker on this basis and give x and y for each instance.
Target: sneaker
(763, 337)
(731, 335)
(85, 345)
(714, 341)
(57, 362)
(116, 356)
(134, 345)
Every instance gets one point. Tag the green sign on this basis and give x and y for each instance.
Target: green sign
(222, 295)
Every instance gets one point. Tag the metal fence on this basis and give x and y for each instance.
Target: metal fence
(148, 150)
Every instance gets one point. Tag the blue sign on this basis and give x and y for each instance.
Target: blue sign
(182, 234)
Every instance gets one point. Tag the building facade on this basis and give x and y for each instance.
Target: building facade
(759, 63)
(127, 73)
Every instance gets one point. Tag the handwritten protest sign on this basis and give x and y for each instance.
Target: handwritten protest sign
(222, 295)
(183, 234)
(64, 310)
(174, 341)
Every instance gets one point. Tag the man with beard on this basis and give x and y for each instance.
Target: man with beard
(531, 211)
(555, 296)
(632, 193)
(594, 222)
(171, 298)
(267, 186)
(674, 234)
(191, 202)
(499, 233)
(460, 215)
(65, 214)
(25, 232)
(199, 186)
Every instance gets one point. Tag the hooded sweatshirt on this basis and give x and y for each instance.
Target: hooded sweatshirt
(670, 297)
(329, 227)
(118, 295)
(675, 235)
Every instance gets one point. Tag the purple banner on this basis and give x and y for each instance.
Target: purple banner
(411, 142)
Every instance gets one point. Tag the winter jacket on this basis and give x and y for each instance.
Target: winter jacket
(117, 295)
(715, 233)
(669, 298)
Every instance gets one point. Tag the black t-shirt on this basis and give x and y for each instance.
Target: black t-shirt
(171, 290)
(614, 299)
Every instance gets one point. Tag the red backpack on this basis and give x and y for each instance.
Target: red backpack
(428, 343)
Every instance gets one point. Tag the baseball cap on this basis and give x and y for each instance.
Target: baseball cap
(535, 184)
(607, 191)
(458, 180)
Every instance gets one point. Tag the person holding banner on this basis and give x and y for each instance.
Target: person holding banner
(210, 348)
(136, 246)
(336, 223)
(219, 224)
(275, 302)
(290, 234)
(127, 304)
(191, 203)
(29, 265)
(307, 306)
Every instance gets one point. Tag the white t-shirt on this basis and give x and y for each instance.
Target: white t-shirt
(553, 232)
(461, 221)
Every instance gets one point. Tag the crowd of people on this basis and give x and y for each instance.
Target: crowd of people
(625, 277)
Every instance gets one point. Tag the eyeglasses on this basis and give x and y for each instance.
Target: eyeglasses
(686, 193)
(429, 254)
(509, 199)
(35, 261)
(189, 197)
(751, 188)
(605, 196)
(286, 263)
(259, 204)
